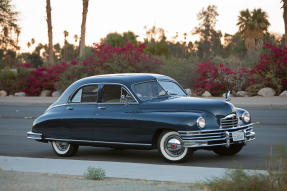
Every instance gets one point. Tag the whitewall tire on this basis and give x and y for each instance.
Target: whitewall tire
(170, 146)
(64, 149)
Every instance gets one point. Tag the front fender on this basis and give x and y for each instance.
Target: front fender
(177, 121)
(239, 112)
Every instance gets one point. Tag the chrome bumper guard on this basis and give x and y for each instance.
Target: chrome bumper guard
(34, 136)
(217, 137)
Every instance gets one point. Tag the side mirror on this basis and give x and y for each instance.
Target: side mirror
(227, 96)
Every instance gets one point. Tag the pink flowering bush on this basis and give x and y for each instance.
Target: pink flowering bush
(130, 58)
(220, 79)
(271, 70)
(107, 59)
(27, 65)
(43, 78)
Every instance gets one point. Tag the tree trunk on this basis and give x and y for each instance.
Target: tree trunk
(83, 28)
(285, 19)
(50, 32)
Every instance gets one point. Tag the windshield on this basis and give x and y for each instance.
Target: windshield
(172, 88)
(155, 89)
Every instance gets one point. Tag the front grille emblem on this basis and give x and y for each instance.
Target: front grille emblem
(229, 121)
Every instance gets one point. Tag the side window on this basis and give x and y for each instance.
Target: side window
(77, 96)
(86, 94)
(116, 94)
(126, 97)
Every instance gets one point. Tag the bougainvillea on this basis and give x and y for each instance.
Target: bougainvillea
(43, 78)
(105, 59)
(130, 58)
(271, 70)
(219, 79)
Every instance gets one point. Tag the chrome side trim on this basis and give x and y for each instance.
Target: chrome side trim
(34, 136)
(49, 108)
(101, 142)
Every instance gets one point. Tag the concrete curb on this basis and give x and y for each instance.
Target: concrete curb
(173, 173)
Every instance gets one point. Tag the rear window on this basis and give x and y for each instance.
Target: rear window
(86, 94)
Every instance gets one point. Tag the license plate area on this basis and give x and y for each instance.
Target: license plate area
(238, 136)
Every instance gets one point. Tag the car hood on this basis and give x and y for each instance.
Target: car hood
(218, 108)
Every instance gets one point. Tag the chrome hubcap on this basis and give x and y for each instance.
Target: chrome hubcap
(62, 146)
(173, 146)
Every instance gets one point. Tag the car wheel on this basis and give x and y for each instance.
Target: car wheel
(170, 146)
(64, 149)
(231, 150)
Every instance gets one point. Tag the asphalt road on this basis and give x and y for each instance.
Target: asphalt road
(15, 121)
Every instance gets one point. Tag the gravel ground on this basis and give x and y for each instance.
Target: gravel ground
(12, 181)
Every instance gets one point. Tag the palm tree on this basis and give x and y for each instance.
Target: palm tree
(66, 34)
(76, 38)
(252, 26)
(9, 28)
(285, 18)
(50, 32)
(83, 28)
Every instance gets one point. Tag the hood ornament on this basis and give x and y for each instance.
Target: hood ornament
(227, 96)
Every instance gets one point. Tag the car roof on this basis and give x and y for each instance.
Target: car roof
(123, 78)
(126, 79)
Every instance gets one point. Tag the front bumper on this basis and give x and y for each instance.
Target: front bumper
(217, 137)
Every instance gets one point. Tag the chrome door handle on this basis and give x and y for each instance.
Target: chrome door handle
(102, 108)
(69, 108)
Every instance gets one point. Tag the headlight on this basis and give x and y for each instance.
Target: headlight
(246, 117)
(200, 122)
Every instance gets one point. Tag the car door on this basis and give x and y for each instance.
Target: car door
(80, 113)
(115, 112)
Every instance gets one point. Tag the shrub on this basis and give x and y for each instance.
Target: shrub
(95, 173)
(271, 70)
(240, 180)
(130, 58)
(183, 70)
(219, 79)
(7, 79)
(73, 73)
(22, 74)
(104, 59)
(43, 78)
(13, 81)
(107, 59)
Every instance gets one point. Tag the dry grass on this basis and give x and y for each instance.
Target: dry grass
(240, 180)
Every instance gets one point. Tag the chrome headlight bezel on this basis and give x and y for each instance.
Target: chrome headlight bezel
(200, 122)
(245, 117)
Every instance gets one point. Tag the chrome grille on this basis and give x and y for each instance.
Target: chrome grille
(215, 137)
(229, 121)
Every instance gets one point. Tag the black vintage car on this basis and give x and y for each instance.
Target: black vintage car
(141, 111)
